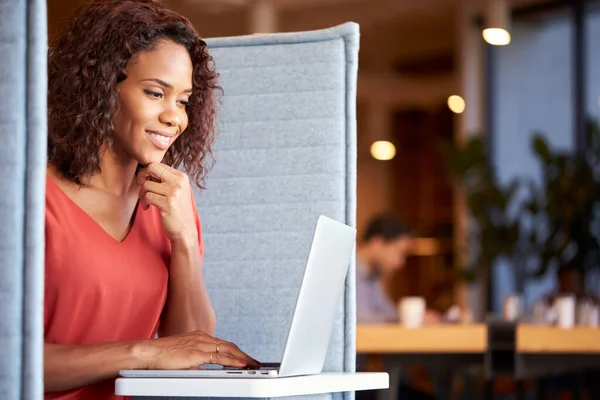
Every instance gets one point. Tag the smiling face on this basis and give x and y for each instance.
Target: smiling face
(153, 99)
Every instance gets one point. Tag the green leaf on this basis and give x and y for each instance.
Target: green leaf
(541, 148)
(465, 274)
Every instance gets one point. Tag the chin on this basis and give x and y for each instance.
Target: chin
(155, 156)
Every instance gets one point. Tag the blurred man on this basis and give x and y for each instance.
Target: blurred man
(382, 251)
(385, 244)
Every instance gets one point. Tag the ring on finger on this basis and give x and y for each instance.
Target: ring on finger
(210, 358)
(162, 173)
(218, 346)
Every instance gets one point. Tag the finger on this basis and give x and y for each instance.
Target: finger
(156, 171)
(209, 343)
(144, 203)
(154, 187)
(157, 200)
(224, 360)
(235, 352)
(151, 187)
(227, 349)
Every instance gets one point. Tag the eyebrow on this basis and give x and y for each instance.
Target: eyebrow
(165, 84)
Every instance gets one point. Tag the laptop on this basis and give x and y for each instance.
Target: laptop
(316, 306)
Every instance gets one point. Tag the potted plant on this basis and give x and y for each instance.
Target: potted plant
(533, 225)
(495, 215)
(563, 207)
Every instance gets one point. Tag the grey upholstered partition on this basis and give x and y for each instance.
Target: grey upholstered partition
(23, 84)
(285, 153)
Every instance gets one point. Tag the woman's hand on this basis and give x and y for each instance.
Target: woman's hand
(190, 350)
(169, 189)
(432, 317)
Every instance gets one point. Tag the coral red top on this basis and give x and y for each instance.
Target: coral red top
(98, 289)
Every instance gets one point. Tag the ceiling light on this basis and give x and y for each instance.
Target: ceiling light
(456, 104)
(497, 20)
(383, 150)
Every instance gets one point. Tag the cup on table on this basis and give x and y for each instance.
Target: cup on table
(587, 313)
(594, 316)
(543, 313)
(565, 310)
(411, 311)
(513, 307)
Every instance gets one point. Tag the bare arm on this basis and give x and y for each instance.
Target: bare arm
(188, 307)
(68, 367)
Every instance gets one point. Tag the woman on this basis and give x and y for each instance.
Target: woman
(130, 98)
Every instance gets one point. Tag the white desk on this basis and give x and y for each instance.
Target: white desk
(327, 382)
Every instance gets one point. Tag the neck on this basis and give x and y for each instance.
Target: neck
(116, 175)
(365, 256)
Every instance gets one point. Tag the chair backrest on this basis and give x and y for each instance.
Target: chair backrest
(285, 153)
(23, 83)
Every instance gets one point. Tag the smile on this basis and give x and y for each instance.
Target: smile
(161, 141)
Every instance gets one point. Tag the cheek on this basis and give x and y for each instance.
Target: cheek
(390, 258)
(183, 125)
(133, 112)
(185, 120)
(144, 112)
(401, 259)
(393, 258)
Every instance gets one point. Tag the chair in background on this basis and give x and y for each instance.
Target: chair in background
(285, 153)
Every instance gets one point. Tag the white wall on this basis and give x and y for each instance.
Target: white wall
(533, 92)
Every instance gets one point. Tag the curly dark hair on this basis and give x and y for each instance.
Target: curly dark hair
(87, 61)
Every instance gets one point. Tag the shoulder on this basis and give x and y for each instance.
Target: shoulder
(56, 184)
(55, 197)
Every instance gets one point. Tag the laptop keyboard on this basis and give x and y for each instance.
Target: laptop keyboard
(263, 367)
(269, 366)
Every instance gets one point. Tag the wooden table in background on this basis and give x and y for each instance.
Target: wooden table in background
(553, 340)
(542, 350)
(453, 345)
(429, 339)
(539, 350)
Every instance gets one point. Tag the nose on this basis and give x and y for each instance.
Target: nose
(171, 115)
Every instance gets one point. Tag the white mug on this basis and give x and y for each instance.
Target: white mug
(513, 307)
(565, 310)
(412, 311)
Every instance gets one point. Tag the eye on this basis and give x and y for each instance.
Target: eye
(152, 93)
(184, 103)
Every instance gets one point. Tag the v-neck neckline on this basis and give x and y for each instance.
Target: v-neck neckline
(132, 220)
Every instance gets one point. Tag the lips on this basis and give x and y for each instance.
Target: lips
(159, 139)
